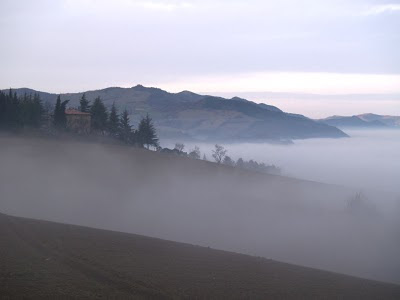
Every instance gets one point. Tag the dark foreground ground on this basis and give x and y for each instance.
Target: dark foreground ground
(40, 259)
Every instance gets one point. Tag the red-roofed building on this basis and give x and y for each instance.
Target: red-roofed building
(78, 121)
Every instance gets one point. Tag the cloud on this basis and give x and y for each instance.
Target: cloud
(380, 9)
(296, 82)
(123, 7)
(163, 5)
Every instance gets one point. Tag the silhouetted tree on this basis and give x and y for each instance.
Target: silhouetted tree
(219, 153)
(240, 163)
(3, 109)
(125, 132)
(84, 104)
(60, 119)
(360, 205)
(113, 121)
(99, 116)
(195, 153)
(20, 112)
(38, 111)
(146, 133)
(228, 161)
(10, 110)
(179, 147)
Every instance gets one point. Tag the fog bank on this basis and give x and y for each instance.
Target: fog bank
(137, 191)
(370, 159)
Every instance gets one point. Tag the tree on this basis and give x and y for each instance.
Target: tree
(113, 121)
(84, 104)
(195, 153)
(60, 119)
(16, 112)
(179, 147)
(240, 163)
(3, 109)
(10, 110)
(125, 129)
(31, 111)
(360, 205)
(25, 111)
(146, 133)
(57, 109)
(37, 111)
(219, 153)
(228, 161)
(99, 115)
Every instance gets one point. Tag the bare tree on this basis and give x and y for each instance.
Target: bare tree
(195, 153)
(360, 204)
(179, 147)
(219, 153)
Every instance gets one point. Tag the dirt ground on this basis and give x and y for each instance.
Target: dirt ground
(40, 259)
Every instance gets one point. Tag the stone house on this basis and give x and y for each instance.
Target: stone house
(78, 121)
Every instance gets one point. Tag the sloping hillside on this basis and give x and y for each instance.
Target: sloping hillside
(198, 202)
(42, 259)
(192, 116)
(363, 121)
(391, 121)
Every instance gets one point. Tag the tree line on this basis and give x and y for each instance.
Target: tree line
(19, 112)
(219, 154)
(30, 112)
(118, 125)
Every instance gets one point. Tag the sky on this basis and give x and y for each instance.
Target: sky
(259, 49)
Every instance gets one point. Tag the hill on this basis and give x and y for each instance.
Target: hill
(42, 259)
(187, 115)
(363, 121)
(198, 202)
(390, 121)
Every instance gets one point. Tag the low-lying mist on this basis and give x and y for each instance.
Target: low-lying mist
(369, 159)
(181, 199)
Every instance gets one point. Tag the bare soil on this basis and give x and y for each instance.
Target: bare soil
(41, 259)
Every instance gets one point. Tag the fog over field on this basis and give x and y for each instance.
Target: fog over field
(369, 160)
(181, 199)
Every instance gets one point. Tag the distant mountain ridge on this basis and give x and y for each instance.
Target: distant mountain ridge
(187, 115)
(367, 120)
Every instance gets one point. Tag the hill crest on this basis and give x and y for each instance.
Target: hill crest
(187, 115)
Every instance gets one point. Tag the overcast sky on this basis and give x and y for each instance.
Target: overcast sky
(242, 46)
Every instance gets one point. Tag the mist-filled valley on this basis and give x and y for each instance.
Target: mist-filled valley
(292, 220)
(185, 149)
(368, 160)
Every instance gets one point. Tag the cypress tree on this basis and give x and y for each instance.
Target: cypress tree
(9, 110)
(60, 119)
(57, 110)
(113, 122)
(26, 110)
(146, 133)
(38, 111)
(99, 115)
(125, 128)
(3, 109)
(84, 104)
(14, 112)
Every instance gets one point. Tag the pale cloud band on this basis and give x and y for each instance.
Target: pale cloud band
(380, 9)
(294, 82)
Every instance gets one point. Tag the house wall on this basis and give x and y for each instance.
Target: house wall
(79, 123)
